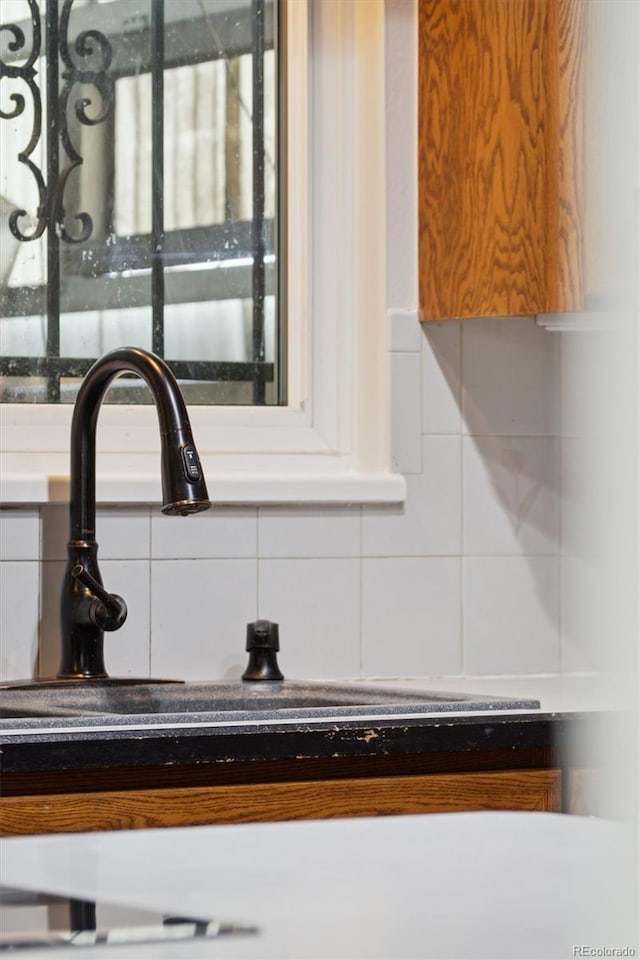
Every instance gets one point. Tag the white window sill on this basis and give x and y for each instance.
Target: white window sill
(31, 489)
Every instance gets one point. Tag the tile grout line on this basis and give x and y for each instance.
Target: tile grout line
(40, 589)
(361, 598)
(150, 580)
(561, 480)
(258, 563)
(508, 436)
(462, 566)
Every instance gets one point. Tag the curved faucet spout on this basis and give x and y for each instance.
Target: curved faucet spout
(184, 491)
(183, 487)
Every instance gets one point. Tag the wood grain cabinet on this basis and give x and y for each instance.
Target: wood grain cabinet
(151, 777)
(287, 792)
(501, 166)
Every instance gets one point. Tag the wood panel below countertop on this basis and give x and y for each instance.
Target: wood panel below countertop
(309, 800)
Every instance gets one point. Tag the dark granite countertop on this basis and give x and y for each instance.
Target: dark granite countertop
(101, 743)
(77, 747)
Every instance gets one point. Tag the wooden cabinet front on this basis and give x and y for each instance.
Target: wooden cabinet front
(270, 802)
(270, 790)
(501, 140)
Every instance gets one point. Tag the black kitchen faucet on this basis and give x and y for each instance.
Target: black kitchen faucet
(86, 608)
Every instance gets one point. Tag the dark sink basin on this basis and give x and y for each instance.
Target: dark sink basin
(259, 699)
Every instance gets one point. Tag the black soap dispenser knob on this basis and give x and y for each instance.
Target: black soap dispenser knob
(262, 643)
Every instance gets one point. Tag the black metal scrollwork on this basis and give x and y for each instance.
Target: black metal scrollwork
(27, 73)
(89, 46)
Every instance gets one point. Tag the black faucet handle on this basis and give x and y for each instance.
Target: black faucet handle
(263, 633)
(263, 642)
(108, 611)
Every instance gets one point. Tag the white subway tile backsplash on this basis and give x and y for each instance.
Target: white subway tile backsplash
(127, 650)
(55, 531)
(511, 375)
(585, 620)
(584, 360)
(199, 612)
(19, 534)
(510, 615)
(216, 533)
(411, 616)
(52, 573)
(511, 495)
(462, 577)
(429, 522)
(586, 487)
(406, 420)
(309, 531)
(441, 377)
(122, 533)
(317, 605)
(405, 334)
(19, 618)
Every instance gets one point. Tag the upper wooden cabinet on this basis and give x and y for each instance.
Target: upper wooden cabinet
(501, 143)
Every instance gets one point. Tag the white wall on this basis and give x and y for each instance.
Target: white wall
(465, 578)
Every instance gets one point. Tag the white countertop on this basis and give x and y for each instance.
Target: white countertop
(437, 886)
(557, 693)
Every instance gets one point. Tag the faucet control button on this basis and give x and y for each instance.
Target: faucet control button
(191, 463)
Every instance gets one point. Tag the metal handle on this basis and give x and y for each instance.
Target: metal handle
(109, 611)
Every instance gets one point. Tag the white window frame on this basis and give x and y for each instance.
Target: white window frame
(332, 442)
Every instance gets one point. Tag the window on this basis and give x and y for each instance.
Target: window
(330, 441)
(140, 142)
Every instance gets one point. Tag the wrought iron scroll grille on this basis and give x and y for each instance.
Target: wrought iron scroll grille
(63, 68)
